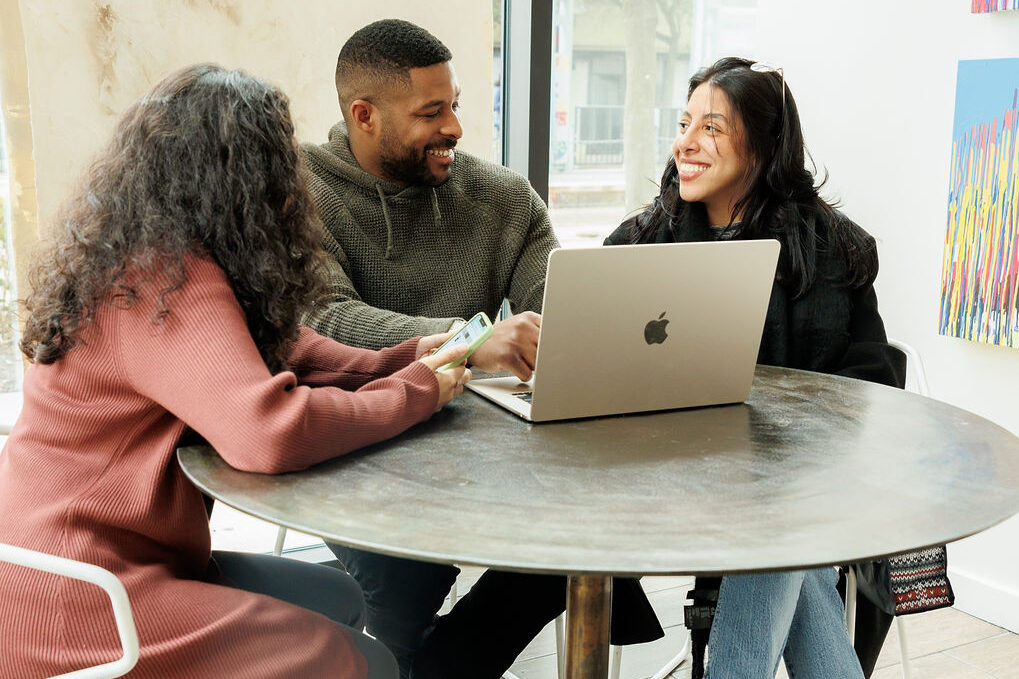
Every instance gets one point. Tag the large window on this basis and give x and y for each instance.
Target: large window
(498, 11)
(10, 357)
(619, 75)
(618, 69)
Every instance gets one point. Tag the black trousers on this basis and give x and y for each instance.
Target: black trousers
(487, 628)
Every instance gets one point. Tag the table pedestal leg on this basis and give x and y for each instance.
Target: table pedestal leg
(588, 611)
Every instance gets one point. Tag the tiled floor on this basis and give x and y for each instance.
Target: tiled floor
(944, 644)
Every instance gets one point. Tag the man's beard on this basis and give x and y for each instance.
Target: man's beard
(407, 165)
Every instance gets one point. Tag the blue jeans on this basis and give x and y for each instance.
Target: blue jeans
(759, 619)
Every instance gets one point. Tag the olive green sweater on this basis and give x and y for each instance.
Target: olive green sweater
(410, 260)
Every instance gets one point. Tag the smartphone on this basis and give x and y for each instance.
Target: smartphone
(473, 334)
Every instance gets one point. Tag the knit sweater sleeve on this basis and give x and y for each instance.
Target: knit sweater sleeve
(344, 315)
(200, 364)
(527, 286)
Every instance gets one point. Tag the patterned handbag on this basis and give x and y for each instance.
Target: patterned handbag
(919, 581)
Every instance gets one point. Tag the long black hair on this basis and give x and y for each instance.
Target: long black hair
(780, 198)
(205, 164)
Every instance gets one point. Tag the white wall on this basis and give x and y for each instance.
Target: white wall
(875, 84)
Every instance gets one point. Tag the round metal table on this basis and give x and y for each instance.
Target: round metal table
(811, 470)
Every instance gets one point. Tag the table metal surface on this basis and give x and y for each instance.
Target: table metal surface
(812, 470)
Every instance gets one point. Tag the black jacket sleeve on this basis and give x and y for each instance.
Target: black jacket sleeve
(869, 356)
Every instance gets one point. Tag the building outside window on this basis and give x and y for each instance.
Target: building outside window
(10, 356)
(498, 7)
(620, 70)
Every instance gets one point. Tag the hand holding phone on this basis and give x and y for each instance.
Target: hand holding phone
(473, 334)
(452, 380)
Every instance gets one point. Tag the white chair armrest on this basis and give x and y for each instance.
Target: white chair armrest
(97, 576)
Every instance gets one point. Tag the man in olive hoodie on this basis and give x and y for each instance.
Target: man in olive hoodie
(424, 236)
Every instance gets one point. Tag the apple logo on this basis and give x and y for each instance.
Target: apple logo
(654, 331)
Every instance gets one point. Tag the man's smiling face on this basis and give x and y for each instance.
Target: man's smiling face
(420, 126)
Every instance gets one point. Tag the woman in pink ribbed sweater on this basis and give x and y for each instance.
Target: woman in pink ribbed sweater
(170, 300)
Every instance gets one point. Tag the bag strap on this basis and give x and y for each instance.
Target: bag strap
(697, 616)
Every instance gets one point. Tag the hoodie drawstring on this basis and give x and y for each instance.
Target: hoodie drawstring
(384, 199)
(436, 215)
(389, 221)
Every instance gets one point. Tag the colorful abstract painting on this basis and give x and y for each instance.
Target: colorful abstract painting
(981, 6)
(980, 270)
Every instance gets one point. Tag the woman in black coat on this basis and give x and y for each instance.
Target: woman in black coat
(738, 171)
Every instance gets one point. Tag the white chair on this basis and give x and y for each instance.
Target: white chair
(97, 576)
(281, 536)
(916, 381)
(916, 376)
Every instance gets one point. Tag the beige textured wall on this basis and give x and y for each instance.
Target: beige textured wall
(18, 142)
(87, 60)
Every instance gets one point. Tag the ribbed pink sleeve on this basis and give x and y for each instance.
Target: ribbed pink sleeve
(320, 361)
(201, 364)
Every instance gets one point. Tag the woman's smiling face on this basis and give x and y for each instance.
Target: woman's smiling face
(709, 153)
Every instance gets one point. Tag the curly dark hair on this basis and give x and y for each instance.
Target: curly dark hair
(205, 164)
(379, 56)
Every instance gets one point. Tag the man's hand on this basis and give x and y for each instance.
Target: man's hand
(512, 346)
(452, 380)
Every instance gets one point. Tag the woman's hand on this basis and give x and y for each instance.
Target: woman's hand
(452, 380)
(429, 342)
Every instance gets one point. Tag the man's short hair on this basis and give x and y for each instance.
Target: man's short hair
(381, 54)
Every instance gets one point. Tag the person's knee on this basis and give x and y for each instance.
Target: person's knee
(342, 598)
(411, 588)
(319, 588)
(762, 588)
(544, 596)
(402, 597)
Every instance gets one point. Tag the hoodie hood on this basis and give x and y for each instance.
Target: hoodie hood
(336, 157)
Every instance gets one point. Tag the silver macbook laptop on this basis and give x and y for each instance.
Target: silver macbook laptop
(636, 328)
